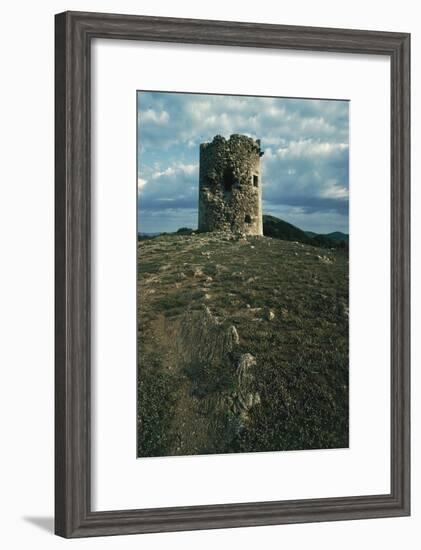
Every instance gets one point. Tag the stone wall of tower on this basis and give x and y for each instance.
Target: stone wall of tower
(230, 186)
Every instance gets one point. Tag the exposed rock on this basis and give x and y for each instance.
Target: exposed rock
(246, 361)
(196, 271)
(208, 345)
(325, 259)
(244, 398)
(269, 315)
(343, 309)
(232, 335)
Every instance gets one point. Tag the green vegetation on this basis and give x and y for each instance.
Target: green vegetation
(288, 302)
(280, 229)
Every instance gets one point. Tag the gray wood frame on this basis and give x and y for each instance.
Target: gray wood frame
(73, 34)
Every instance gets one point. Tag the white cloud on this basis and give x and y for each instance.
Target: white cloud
(309, 148)
(173, 119)
(170, 171)
(334, 190)
(174, 186)
(154, 117)
(176, 169)
(140, 185)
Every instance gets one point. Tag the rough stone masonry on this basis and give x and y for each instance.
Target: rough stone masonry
(230, 187)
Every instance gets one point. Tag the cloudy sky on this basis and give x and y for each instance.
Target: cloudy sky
(305, 174)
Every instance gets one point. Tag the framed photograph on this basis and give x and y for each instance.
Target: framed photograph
(232, 274)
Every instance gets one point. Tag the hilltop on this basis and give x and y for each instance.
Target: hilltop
(243, 344)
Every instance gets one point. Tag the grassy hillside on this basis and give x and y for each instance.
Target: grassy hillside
(243, 345)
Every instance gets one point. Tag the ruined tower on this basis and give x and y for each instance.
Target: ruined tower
(230, 187)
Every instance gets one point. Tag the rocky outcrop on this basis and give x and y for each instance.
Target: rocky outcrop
(222, 378)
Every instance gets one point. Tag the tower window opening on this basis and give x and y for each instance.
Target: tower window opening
(228, 179)
(256, 181)
(247, 219)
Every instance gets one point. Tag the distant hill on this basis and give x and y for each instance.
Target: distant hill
(185, 231)
(141, 236)
(280, 229)
(145, 236)
(338, 236)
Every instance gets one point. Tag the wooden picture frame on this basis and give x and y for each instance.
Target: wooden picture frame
(73, 34)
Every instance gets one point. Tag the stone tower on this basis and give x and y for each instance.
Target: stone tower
(230, 187)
